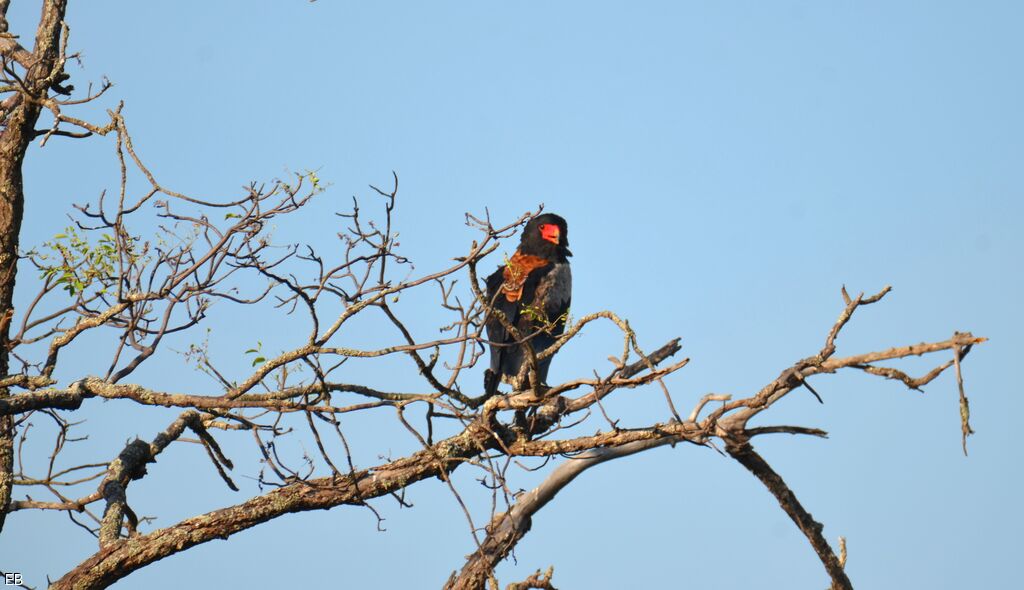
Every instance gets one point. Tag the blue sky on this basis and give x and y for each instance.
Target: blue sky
(724, 167)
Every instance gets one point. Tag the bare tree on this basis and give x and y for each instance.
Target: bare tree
(145, 262)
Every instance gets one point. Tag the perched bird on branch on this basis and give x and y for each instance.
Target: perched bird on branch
(532, 292)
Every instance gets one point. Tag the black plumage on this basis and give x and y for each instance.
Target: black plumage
(533, 289)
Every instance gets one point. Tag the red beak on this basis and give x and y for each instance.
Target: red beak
(550, 232)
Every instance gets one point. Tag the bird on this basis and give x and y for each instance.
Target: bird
(533, 290)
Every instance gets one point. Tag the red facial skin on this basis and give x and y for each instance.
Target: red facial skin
(550, 232)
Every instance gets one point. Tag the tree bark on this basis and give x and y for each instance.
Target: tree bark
(14, 141)
(121, 557)
(745, 454)
(508, 528)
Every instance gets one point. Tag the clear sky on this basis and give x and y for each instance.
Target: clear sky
(724, 167)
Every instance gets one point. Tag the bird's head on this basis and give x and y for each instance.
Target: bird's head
(546, 235)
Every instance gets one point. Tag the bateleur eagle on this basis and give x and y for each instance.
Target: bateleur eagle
(533, 290)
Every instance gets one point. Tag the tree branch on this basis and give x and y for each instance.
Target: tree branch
(120, 558)
(745, 454)
(18, 132)
(508, 528)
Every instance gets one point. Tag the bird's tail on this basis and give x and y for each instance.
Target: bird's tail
(491, 381)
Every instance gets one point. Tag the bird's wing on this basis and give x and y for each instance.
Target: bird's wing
(553, 294)
(511, 290)
(550, 300)
(496, 332)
